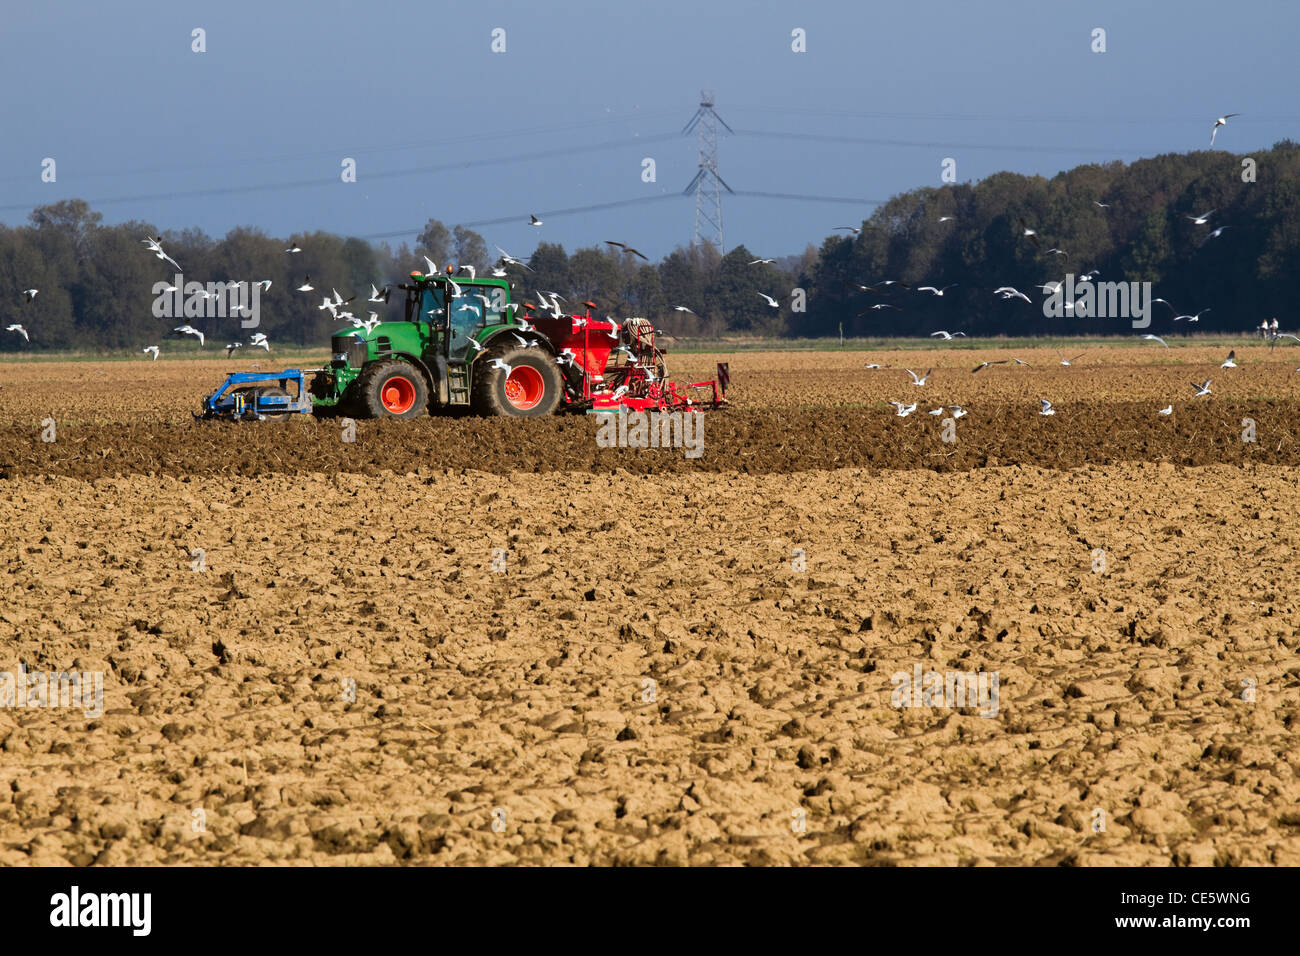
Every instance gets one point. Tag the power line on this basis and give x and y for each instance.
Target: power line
(942, 144)
(513, 133)
(619, 203)
(387, 174)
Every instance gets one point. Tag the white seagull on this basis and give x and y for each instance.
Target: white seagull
(30, 294)
(682, 308)
(1221, 121)
(156, 248)
(770, 301)
(1167, 410)
(533, 220)
(946, 336)
(497, 363)
(1213, 235)
(1202, 219)
(19, 329)
(189, 330)
(230, 349)
(918, 381)
(930, 288)
(1046, 408)
(306, 285)
(294, 248)
(153, 349)
(903, 410)
(259, 340)
(1156, 338)
(1067, 361)
(1202, 389)
(766, 262)
(1231, 360)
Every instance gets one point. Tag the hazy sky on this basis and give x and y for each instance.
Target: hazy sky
(254, 130)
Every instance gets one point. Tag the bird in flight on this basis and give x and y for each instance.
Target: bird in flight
(1231, 360)
(770, 301)
(984, 365)
(533, 220)
(1046, 408)
(1031, 234)
(153, 349)
(29, 294)
(1010, 292)
(1202, 219)
(189, 330)
(294, 247)
(938, 292)
(766, 262)
(19, 329)
(1067, 361)
(1190, 318)
(882, 305)
(497, 363)
(903, 410)
(156, 248)
(230, 349)
(1213, 235)
(1058, 252)
(1103, 205)
(626, 248)
(1221, 121)
(918, 381)
(946, 336)
(511, 260)
(682, 308)
(377, 296)
(306, 285)
(1156, 338)
(947, 218)
(259, 340)
(853, 229)
(1202, 389)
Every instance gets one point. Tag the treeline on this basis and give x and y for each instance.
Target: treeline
(1128, 222)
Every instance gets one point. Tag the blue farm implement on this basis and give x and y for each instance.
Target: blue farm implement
(261, 397)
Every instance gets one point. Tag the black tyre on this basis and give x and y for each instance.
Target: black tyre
(392, 390)
(530, 388)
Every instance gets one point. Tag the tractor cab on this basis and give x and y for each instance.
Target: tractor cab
(454, 319)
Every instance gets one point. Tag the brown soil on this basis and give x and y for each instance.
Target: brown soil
(769, 590)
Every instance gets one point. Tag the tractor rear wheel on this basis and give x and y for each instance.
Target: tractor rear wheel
(530, 389)
(392, 390)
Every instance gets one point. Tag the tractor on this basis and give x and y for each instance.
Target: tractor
(462, 344)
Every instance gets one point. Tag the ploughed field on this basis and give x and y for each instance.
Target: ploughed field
(458, 640)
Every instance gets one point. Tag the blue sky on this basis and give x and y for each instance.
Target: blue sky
(253, 131)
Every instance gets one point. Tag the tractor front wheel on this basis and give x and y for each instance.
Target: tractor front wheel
(529, 385)
(392, 390)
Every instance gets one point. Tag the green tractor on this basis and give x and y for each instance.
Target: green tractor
(459, 344)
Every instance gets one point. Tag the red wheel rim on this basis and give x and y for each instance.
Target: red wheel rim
(397, 394)
(525, 387)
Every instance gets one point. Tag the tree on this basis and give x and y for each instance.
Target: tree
(471, 250)
(435, 242)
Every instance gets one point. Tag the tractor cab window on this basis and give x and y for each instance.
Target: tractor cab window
(494, 304)
(466, 319)
(431, 306)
